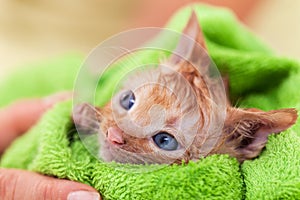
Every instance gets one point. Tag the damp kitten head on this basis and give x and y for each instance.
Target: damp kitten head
(151, 123)
(157, 115)
(168, 114)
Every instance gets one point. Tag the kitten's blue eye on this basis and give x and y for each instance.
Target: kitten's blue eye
(165, 141)
(127, 100)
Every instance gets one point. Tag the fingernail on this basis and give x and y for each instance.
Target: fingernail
(78, 195)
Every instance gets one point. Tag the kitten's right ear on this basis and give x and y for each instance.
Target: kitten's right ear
(86, 118)
(191, 46)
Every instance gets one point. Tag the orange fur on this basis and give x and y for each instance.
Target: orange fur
(177, 98)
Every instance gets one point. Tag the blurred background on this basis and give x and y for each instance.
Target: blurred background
(31, 30)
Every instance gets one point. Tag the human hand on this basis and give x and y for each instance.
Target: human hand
(19, 184)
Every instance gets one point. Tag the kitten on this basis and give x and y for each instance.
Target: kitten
(162, 115)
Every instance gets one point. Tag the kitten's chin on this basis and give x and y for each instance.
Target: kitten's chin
(109, 153)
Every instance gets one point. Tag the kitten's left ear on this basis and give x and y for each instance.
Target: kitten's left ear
(191, 46)
(246, 131)
(86, 118)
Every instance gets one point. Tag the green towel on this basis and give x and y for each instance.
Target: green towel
(258, 78)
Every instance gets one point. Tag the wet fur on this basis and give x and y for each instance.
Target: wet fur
(177, 98)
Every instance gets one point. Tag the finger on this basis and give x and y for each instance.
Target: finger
(19, 184)
(21, 115)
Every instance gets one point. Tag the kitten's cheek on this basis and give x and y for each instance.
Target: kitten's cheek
(105, 152)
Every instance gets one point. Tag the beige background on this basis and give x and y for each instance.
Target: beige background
(277, 22)
(32, 30)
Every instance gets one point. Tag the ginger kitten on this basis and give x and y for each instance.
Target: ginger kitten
(163, 115)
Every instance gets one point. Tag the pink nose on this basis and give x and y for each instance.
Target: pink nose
(115, 135)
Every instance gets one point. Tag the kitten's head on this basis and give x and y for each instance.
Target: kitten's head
(169, 114)
(154, 121)
(157, 115)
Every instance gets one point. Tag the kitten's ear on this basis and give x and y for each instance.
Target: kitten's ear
(86, 118)
(191, 45)
(247, 130)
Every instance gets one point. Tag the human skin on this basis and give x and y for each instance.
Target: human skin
(16, 119)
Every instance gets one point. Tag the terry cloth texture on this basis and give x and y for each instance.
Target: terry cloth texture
(258, 78)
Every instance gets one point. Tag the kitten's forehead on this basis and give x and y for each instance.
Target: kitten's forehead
(140, 77)
(162, 82)
(162, 97)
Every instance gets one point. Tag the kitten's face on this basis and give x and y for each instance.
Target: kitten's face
(153, 120)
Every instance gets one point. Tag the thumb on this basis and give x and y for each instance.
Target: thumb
(20, 184)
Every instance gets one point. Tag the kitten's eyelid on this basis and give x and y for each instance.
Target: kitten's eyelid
(136, 100)
(176, 133)
(180, 139)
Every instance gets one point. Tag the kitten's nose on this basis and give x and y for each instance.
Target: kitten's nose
(115, 135)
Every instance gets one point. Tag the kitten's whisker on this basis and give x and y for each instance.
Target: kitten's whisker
(94, 109)
(130, 56)
(127, 60)
(237, 102)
